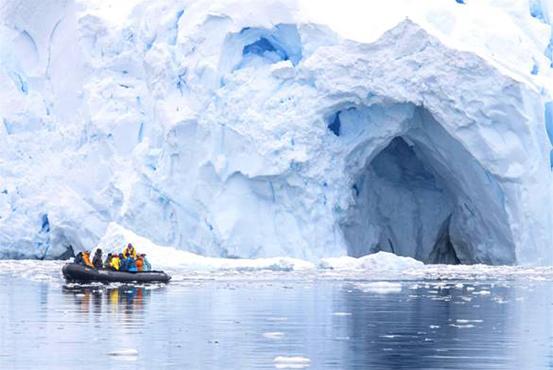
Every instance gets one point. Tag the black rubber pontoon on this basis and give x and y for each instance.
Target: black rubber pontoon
(80, 273)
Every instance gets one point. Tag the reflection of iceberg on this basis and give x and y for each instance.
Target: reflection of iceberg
(292, 134)
(449, 325)
(418, 329)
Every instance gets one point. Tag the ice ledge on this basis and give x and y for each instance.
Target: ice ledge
(117, 236)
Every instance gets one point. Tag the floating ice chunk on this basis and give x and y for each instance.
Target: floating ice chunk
(462, 326)
(339, 263)
(380, 287)
(274, 335)
(291, 362)
(482, 292)
(385, 261)
(124, 352)
(381, 261)
(342, 313)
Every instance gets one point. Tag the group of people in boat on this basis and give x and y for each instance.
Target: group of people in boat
(129, 260)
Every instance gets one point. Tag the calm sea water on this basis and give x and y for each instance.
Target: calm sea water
(276, 320)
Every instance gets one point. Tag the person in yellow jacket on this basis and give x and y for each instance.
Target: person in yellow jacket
(86, 259)
(115, 262)
(129, 251)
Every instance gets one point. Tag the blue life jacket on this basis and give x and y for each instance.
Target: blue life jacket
(146, 265)
(130, 264)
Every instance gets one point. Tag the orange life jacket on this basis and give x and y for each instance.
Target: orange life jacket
(86, 260)
(140, 264)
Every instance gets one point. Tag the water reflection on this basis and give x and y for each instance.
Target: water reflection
(97, 299)
(429, 327)
(249, 324)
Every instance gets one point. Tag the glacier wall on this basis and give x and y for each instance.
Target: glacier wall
(284, 130)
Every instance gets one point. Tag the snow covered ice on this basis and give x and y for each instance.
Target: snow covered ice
(278, 129)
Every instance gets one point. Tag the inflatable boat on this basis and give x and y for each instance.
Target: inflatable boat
(80, 273)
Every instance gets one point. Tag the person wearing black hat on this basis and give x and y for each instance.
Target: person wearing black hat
(97, 260)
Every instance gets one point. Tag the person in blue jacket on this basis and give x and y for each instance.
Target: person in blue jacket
(147, 265)
(130, 264)
(122, 263)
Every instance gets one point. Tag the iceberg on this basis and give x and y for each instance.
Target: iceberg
(291, 130)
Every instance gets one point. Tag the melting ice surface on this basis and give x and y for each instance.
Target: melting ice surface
(413, 317)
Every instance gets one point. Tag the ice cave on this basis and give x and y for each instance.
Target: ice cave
(422, 195)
